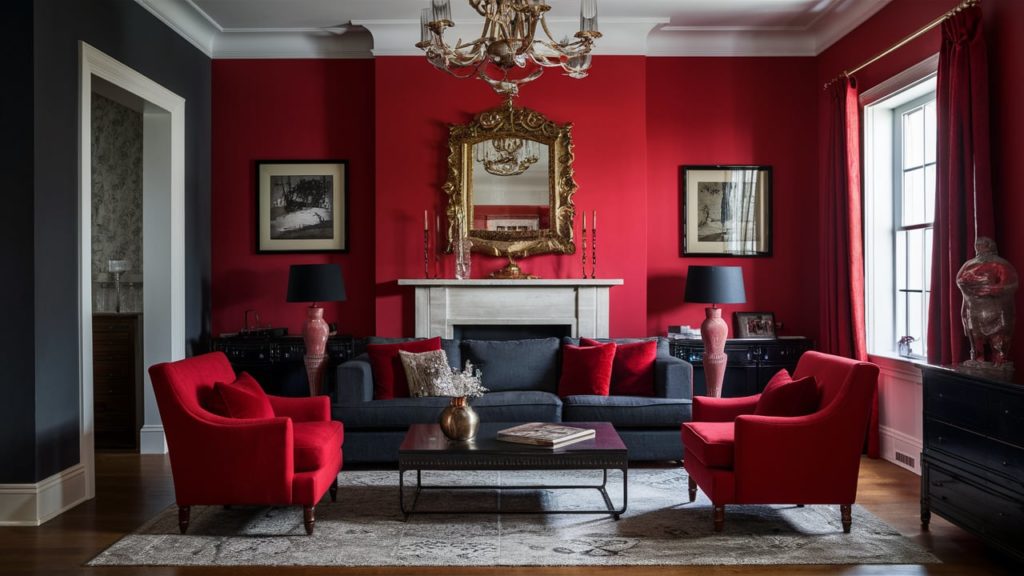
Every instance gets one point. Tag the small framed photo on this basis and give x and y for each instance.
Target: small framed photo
(754, 324)
(726, 211)
(301, 206)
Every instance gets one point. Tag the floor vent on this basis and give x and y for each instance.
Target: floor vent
(906, 460)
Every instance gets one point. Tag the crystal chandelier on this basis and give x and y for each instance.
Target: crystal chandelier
(514, 47)
(506, 156)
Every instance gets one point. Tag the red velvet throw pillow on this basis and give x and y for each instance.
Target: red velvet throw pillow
(784, 396)
(389, 379)
(586, 370)
(633, 367)
(244, 398)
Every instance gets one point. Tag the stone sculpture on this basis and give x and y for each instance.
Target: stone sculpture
(988, 283)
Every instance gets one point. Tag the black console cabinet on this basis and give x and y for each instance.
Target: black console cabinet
(751, 362)
(972, 466)
(276, 361)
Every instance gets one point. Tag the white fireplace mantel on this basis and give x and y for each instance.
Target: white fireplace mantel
(442, 304)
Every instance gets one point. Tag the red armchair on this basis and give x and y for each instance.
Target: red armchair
(292, 458)
(739, 458)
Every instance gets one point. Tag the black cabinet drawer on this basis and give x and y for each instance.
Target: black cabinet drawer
(999, 457)
(976, 505)
(1007, 407)
(951, 401)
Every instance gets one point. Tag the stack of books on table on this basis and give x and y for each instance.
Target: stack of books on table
(545, 434)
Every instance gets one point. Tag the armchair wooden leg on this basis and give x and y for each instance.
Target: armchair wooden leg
(183, 517)
(845, 510)
(309, 518)
(719, 517)
(693, 489)
(333, 490)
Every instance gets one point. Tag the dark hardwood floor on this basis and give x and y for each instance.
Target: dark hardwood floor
(132, 488)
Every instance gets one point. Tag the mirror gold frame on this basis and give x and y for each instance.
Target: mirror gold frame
(508, 121)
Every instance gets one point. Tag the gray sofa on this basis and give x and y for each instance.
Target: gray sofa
(522, 379)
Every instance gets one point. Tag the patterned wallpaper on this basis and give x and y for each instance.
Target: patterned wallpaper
(116, 201)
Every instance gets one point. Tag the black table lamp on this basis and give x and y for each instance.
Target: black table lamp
(714, 285)
(315, 283)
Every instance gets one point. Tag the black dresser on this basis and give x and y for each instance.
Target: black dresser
(117, 380)
(276, 361)
(751, 362)
(972, 466)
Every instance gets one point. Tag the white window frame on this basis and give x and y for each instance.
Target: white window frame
(880, 163)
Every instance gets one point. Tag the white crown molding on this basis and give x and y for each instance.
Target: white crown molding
(622, 36)
(187, 20)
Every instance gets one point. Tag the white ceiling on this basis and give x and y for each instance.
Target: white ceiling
(362, 28)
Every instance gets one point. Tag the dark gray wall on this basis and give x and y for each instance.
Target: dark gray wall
(127, 32)
(17, 350)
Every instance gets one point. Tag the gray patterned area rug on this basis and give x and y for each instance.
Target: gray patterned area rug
(365, 528)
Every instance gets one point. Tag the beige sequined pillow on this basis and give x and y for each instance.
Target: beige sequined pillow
(428, 373)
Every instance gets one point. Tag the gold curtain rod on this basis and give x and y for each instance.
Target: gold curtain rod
(962, 6)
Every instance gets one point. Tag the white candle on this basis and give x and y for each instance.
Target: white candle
(424, 220)
(584, 221)
(595, 219)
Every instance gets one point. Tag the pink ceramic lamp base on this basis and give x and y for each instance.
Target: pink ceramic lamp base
(714, 331)
(314, 334)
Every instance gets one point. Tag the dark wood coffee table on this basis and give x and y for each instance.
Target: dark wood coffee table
(426, 448)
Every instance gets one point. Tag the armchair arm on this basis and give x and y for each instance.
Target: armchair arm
(710, 409)
(813, 458)
(673, 378)
(315, 409)
(216, 460)
(354, 381)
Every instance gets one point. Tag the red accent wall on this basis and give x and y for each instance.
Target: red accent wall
(734, 111)
(415, 103)
(279, 110)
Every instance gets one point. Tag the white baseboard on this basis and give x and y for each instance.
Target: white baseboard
(152, 439)
(893, 442)
(34, 504)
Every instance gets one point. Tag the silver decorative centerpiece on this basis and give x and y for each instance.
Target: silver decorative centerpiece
(459, 421)
(988, 283)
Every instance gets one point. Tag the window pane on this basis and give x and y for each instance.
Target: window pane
(915, 317)
(901, 317)
(915, 259)
(929, 132)
(913, 197)
(901, 260)
(927, 258)
(913, 139)
(929, 193)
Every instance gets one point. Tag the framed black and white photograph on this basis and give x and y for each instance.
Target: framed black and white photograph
(301, 206)
(726, 211)
(754, 324)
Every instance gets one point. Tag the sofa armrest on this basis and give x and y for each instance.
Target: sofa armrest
(302, 409)
(710, 409)
(353, 381)
(673, 378)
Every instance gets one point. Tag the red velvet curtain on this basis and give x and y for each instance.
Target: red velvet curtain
(842, 252)
(963, 188)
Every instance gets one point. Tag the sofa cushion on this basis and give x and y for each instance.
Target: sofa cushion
(315, 442)
(627, 411)
(388, 375)
(244, 398)
(633, 367)
(515, 364)
(450, 347)
(710, 442)
(662, 343)
(784, 396)
(586, 369)
(427, 373)
(399, 413)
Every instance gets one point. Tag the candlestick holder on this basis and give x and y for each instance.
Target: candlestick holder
(583, 250)
(437, 247)
(426, 253)
(593, 257)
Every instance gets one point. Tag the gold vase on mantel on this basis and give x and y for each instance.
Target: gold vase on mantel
(459, 421)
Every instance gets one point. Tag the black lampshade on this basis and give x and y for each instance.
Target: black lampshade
(715, 285)
(315, 283)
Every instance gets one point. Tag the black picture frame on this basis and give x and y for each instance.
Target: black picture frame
(725, 210)
(301, 206)
(754, 325)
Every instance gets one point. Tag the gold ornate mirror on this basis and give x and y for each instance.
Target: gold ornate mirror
(510, 185)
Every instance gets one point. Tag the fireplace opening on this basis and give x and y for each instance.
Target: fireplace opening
(510, 331)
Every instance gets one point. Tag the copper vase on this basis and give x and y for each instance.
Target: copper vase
(459, 421)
